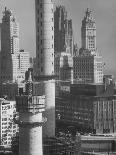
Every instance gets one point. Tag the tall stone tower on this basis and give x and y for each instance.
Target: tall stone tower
(88, 32)
(9, 46)
(45, 59)
(30, 108)
(63, 31)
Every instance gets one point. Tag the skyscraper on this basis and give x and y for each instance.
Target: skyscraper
(9, 46)
(88, 32)
(63, 32)
(45, 59)
(88, 65)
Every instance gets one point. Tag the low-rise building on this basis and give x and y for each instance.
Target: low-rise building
(8, 128)
(87, 107)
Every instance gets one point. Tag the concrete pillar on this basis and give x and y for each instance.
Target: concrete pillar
(49, 126)
(30, 134)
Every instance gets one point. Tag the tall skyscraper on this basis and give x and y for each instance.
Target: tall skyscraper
(88, 32)
(45, 59)
(9, 46)
(63, 32)
(14, 62)
(88, 65)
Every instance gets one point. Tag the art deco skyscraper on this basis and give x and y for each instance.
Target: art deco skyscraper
(45, 58)
(9, 46)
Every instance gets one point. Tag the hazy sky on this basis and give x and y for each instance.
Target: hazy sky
(104, 12)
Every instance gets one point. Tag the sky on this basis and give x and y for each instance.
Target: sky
(104, 12)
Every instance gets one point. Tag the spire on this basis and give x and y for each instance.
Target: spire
(88, 15)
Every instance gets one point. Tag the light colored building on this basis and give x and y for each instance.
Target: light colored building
(8, 128)
(88, 32)
(88, 65)
(45, 59)
(9, 46)
(23, 65)
(88, 69)
(14, 63)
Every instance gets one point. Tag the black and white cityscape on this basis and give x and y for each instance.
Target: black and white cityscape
(60, 98)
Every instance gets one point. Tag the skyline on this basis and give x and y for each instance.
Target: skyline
(103, 11)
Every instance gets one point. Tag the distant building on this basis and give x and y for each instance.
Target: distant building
(63, 31)
(64, 67)
(88, 32)
(87, 107)
(14, 62)
(75, 50)
(88, 65)
(88, 68)
(98, 144)
(8, 128)
(9, 90)
(9, 46)
(23, 64)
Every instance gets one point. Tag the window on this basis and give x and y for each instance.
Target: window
(41, 5)
(41, 69)
(41, 15)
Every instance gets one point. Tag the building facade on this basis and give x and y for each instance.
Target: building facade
(63, 32)
(23, 64)
(88, 68)
(8, 128)
(88, 108)
(9, 91)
